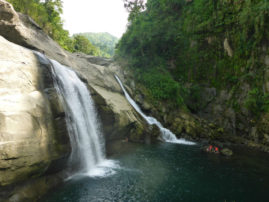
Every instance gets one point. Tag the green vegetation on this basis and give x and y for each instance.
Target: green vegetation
(257, 101)
(105, 42)
(162, 87)
(82, 44)
(185, 39)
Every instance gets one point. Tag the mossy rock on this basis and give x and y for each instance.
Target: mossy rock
(226, 152)
(136, 133)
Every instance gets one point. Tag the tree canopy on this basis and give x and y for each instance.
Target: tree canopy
(105, 42)
(134, 7)
(82, 44)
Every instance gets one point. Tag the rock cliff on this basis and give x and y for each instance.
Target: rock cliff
(27, 142)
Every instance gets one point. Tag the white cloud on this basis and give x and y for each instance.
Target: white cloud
(95, 16)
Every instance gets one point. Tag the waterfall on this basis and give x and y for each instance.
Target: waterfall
(167, 135)
(88, 153)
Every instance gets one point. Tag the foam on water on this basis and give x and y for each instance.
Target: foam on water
(104, 169)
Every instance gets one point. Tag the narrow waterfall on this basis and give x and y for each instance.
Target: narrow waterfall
(167, 135)
(88, 153)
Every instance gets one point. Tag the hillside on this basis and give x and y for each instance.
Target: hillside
(104, 41)
(207, 57)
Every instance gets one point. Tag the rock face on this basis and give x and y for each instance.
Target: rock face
(33, 134)
(28, 142)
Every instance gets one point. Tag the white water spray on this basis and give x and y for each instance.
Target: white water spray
(167, 135)
(88, 154)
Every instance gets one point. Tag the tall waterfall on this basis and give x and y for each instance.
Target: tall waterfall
(83, 127)
(87, 155)
(167, 135)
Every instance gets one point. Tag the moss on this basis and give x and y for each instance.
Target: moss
(257, 102)
(137, 132)
(220, 130)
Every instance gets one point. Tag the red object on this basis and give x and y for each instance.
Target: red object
(210, 147)
(217, 149)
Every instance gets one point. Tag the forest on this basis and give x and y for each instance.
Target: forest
(176, 46)
(105, 42)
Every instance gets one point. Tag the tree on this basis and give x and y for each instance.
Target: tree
(82, 44)
(134, 7)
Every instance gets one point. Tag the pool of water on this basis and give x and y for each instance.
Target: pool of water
(172, 172)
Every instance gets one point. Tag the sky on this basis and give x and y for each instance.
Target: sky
(95, 16)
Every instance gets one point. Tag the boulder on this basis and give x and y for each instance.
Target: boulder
(226, 152)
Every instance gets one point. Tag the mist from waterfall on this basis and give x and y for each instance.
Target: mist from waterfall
(167, 135)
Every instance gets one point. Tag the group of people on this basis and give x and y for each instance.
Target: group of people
(212, 149)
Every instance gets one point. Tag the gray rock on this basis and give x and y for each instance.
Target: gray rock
(226, 152)
(146, 106)
(227, 47)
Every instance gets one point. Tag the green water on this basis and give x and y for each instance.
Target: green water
(171, 172)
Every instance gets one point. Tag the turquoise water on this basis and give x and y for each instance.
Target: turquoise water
(172, 172)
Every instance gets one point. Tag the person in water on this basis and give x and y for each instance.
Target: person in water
(214, 149)
(209, 149)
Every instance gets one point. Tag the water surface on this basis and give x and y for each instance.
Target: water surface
(172, 172)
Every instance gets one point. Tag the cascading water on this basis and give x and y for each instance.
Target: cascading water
(167, 135)
(87, 155)
(87, 149)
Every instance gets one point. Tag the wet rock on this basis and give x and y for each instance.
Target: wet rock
(139, 98)
(226, 152)
(154, 132)
(254, 134)
(146, 106)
